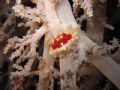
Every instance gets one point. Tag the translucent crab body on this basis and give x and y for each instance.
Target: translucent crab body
(61, 44)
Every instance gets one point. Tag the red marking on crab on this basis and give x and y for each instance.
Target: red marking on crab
(61, 38)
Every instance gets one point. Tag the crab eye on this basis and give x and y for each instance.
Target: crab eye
(60, 40)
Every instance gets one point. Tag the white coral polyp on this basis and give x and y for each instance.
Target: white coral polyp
(87, 6)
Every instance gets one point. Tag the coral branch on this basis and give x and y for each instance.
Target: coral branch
(28, 40)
